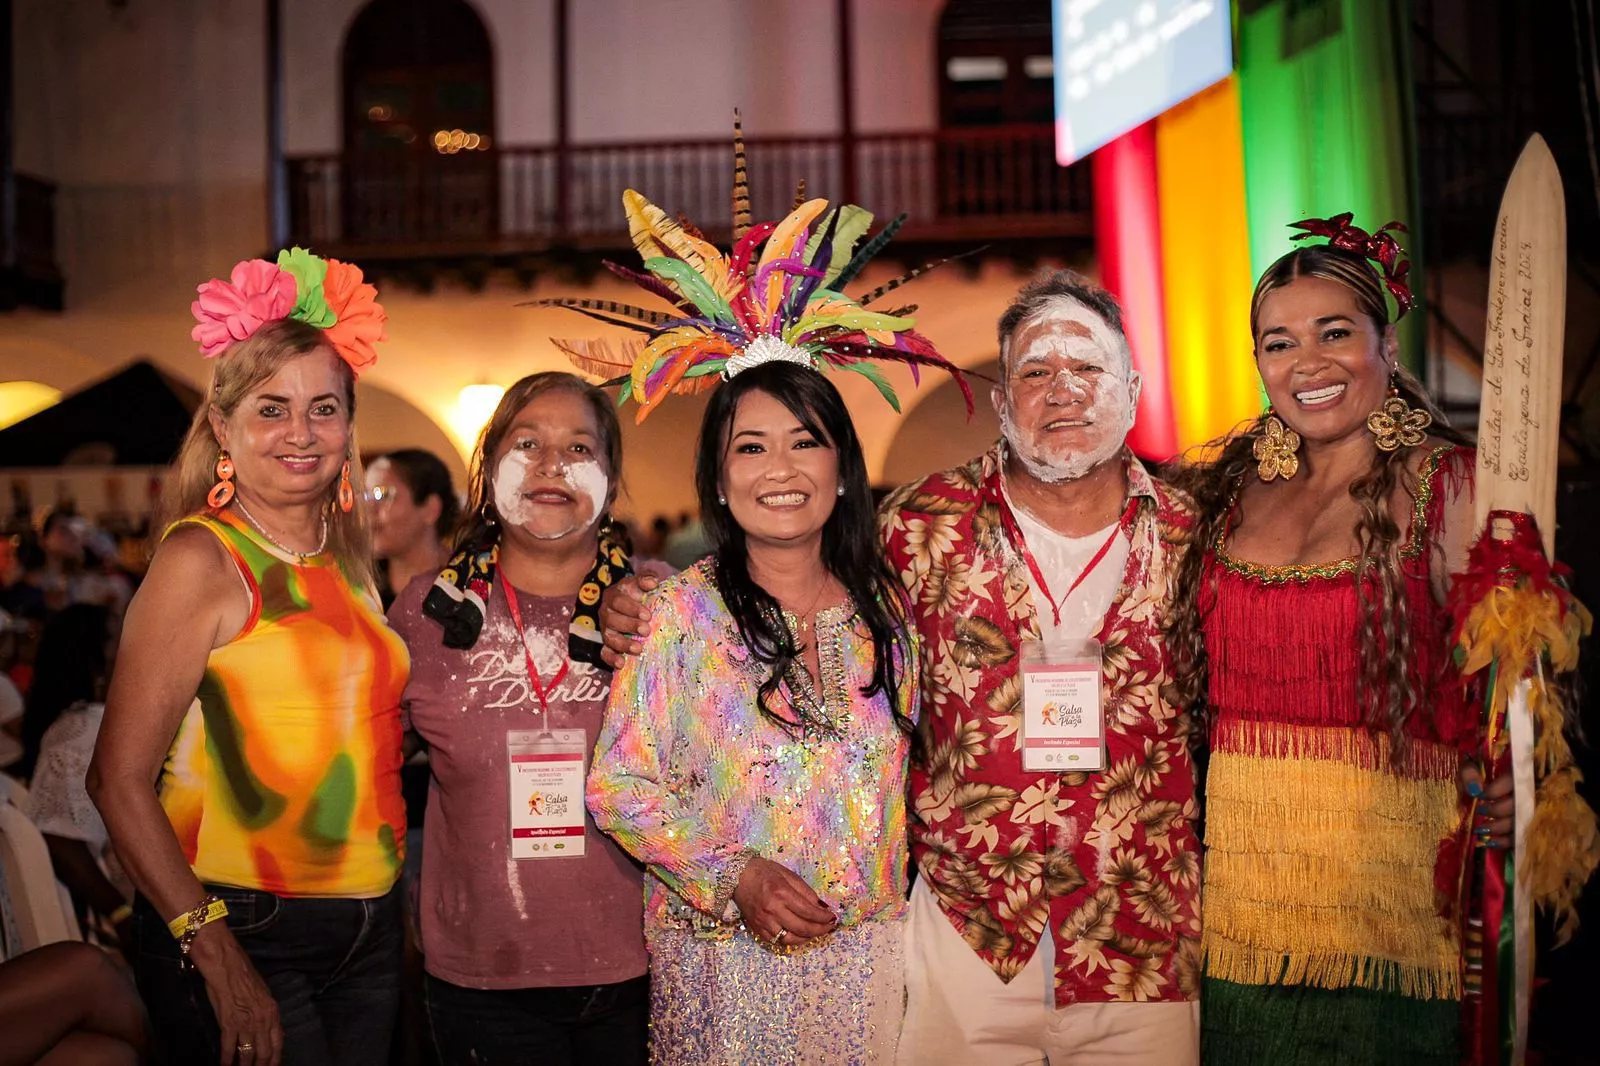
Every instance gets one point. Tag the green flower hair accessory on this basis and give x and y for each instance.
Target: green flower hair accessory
(311, 304)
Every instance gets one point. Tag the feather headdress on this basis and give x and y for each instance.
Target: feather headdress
(779, 294)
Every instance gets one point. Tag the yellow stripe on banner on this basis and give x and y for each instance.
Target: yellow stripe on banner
(1320, 872)
(1205, 252)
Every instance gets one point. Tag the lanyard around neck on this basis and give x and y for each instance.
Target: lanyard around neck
(534, 681)
(1014, 531)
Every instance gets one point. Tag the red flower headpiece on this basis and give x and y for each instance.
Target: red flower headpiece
(1377, 246)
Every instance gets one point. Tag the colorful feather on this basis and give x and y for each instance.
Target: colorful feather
(739, 264)
(608, 311)
(781, 285)
(741, 181)
(652, 285)
(671, 373)
(852, 224)
(656, 235)
(683, 277)
(867, 252)
(895, 283)
(874, 375)
(781, 245)
(852, 319)
(799, 194)
(598, 358)
(817, 255)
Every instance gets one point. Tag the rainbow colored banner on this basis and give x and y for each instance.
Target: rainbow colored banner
(1191, 207)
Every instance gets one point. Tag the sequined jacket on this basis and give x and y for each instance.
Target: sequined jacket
(1109, 860)
(693, 780)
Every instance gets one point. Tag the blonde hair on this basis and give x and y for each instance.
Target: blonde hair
(234, 375)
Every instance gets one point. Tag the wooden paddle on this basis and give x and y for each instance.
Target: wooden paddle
(1519, 420)
(1518, 436)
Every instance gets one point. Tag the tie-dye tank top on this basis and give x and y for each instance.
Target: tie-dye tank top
(285, 774)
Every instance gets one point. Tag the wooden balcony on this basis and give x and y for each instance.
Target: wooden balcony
(960, 187)
(29, 273)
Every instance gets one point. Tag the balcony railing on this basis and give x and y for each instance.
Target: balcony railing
(955, 185)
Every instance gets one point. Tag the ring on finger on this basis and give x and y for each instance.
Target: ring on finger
(777, 938)
(244, 1045)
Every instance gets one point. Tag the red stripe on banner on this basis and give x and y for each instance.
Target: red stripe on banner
(1127, 223)
(553, 831)
(571, 756)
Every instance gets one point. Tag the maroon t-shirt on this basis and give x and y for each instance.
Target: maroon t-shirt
(488, 920)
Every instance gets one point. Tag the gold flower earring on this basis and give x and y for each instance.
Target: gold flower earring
(1276, 449)
(1396, 424)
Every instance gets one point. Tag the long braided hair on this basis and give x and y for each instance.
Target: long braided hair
(1387, 693)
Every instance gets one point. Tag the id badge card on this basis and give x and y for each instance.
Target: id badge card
(1063, 721)
(546, 792)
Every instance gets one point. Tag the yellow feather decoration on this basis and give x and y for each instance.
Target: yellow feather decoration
(781, 246)
(659, 346)
(656, 234)
(1525, 632)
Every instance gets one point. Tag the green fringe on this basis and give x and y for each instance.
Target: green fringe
(1295, 1025)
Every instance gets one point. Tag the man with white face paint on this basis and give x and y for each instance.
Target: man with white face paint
(1055, 917)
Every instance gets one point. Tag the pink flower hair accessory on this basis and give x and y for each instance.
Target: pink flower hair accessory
(257, 292)
(324, 293)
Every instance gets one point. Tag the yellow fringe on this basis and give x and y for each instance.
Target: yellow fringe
(1523, 629)
(1326, 867)
(1246, 965)
(1356, 747)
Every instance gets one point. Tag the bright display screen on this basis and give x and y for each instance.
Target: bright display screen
(1120, 63)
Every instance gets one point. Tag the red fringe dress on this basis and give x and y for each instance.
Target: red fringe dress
(1324, 940)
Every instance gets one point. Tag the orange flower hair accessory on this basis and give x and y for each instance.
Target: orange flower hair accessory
(320, 292)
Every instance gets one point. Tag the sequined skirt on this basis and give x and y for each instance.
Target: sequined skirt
(735, 1003)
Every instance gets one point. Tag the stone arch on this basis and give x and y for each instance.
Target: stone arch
(386, 421)
(935, 434)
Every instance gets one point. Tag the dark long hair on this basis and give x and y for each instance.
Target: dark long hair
(850, 546)
(1386, 690)
(426, 475)
(479, 524)
(70, 667)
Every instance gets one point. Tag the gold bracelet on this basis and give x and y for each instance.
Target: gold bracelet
(184, 927)
(121, 914)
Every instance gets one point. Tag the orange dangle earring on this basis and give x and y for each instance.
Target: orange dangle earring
(347, 495)
(222, 491)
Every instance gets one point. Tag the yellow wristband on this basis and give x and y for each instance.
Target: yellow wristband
(122, 914)
(205, 912)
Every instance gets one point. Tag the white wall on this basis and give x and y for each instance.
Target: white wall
(150, 120)
(654, 69)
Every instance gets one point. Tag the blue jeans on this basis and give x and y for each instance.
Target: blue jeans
(333, 965)
(588, 1025)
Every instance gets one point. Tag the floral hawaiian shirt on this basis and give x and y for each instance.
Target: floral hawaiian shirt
(1110, 860)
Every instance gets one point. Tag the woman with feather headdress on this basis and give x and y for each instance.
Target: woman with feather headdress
(754, 756)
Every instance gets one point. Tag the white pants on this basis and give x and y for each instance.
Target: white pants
(958, 1013)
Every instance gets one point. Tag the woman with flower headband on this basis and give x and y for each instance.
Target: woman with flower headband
(1313, 637)
(754, 756)
(248, 768)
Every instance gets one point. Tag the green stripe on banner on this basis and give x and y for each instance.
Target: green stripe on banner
(1325, 102)
(1295, 1025)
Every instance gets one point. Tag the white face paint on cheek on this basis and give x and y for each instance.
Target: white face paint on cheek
(589, 482)
(509, 477)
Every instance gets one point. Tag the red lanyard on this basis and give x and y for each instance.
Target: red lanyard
(539, 689)
(1014, 531)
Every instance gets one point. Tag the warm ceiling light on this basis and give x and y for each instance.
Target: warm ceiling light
(474, 406)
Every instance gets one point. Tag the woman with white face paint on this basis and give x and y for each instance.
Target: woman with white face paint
(531, 918)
